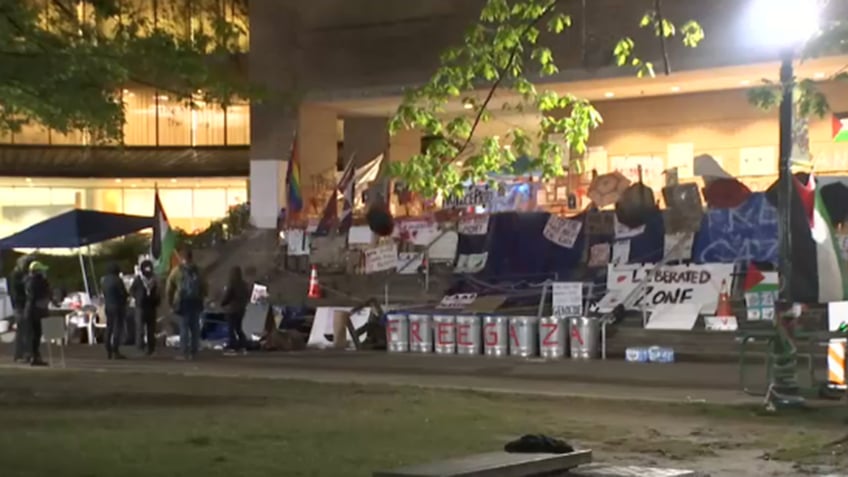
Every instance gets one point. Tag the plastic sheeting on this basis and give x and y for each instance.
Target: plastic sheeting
(77, 228)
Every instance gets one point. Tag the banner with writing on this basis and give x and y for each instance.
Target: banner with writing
(416, 232)
(471, 263)
(458, 301)
(474, 224)
(297, 242)
(470, 197)
(567, 299)
(381, 258)
(563, 232)
(669, 285)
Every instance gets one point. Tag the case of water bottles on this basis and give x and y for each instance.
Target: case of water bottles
(654, 354)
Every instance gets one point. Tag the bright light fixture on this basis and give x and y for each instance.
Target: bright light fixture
(118, 181)
(29, 179)
(609, 94)
(819, 75)
(468, 105)
(784, 23)
(675, 89)
(745, 82)
(173, 181)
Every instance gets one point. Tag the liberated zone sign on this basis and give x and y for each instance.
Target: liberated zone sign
(698, 284)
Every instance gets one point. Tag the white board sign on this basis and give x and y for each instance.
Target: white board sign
(416, 232)
(474, 224)
(669, 285)
(297, 242)
(673, 317)
(444, 248)
(567, 299)
(381, 258)
(259, 293)
(458, 301)
(471, 263)
(360, 235)
(721, 323)
(621, 252)
(563, 232)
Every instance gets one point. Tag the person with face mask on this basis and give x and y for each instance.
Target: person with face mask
(145, 292)
(36, 307)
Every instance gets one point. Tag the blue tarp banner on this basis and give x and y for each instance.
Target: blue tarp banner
(77, 228)
(747, 233)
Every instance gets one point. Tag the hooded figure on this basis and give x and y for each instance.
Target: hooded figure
(115, 303)
(234, 301)
(36, 307)
(17, 295)
(146, 294)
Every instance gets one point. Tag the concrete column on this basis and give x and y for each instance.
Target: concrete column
(367, 137)
(275, 65)
(318, 144)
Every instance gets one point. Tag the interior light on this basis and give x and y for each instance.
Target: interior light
(28, 179)
(609, 94)
(819, 75)
(468, 105)
(675, 89)
(133, 186)
(745, 82)
(784, 23)
(173, 181)
(118, 181)
(162, 98)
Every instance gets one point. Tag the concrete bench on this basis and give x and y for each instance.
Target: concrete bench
(496, 464)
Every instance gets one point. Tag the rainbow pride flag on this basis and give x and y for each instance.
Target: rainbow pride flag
(294, 196)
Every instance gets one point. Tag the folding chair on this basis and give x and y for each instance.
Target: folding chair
(53, 329)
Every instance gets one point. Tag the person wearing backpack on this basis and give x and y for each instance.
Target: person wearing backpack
(186, 293)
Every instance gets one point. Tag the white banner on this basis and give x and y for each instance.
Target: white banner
(381, 258)
(567, 299)
(417, 232)
(563, 232)
(678, 284)
(297, 242)
(458, 301)
(474, 224)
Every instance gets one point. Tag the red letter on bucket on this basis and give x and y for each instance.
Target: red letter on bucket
(442, 336)
(463, 339)
(552, 328)
(415, 332)
(492, 337)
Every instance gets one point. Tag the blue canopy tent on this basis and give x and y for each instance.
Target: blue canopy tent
(76, 229)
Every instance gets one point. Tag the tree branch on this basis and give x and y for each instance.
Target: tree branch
(501, 76)
(661, 26)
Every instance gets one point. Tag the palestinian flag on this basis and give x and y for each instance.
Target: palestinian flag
(819, 272)
(840, 127)
(164, 240)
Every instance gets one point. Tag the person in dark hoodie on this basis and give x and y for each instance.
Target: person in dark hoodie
(115, 303)
(146, 294)
(17, 295)
(36, 307)
(234, 303)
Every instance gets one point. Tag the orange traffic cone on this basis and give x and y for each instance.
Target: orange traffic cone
(723, 309)
(314, 288)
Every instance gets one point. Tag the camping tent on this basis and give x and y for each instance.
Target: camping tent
(76, 228)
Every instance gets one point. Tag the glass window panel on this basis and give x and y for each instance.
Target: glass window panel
(31, 134)
(238, 125)
(177, 203)
(29, 196)
(69, 197)
(210, 203)
(73, 138)
(175, 121)
(140, 114)
(209, 125)
(236, 196)
(139, 202)
(105, 200)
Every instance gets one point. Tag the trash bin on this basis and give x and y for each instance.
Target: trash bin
(552, 337)
(584, 337)
(468, 336)
(445, 331)
(397, 333)
(496, 336)
(523, 336)
(420, 333)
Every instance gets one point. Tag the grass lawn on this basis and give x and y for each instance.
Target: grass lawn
(75, 424)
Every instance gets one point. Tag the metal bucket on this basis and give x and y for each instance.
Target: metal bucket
(468, 335)
(584, 337)
(523, 336)
(397, 333)
(420, 333)
(496, 336)
(552, 337)
(445, 331)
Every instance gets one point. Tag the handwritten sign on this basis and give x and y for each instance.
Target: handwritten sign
(381, 258)
(297, 242)
(563, 232)
(669, 285)
(678, 247)
(567, 299)
(416, 232)
(474, 225)
(470, 197)
(471, 263)
(457, 301)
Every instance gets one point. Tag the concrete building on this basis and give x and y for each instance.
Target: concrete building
(351, 60)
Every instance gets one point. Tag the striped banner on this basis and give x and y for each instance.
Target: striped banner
(836, 363)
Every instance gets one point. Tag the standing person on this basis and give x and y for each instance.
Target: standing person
(17, 295)
(145, 292)
(234, 303)
(115, 303)
(36, 308)
(186, 292)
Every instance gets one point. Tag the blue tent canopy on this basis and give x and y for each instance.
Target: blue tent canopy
(77, 228)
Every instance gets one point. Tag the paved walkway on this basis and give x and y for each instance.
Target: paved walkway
(680, 382)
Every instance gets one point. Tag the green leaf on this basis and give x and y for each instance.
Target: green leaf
(559, 22)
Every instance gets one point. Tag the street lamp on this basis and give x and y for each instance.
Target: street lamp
(786, 25)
